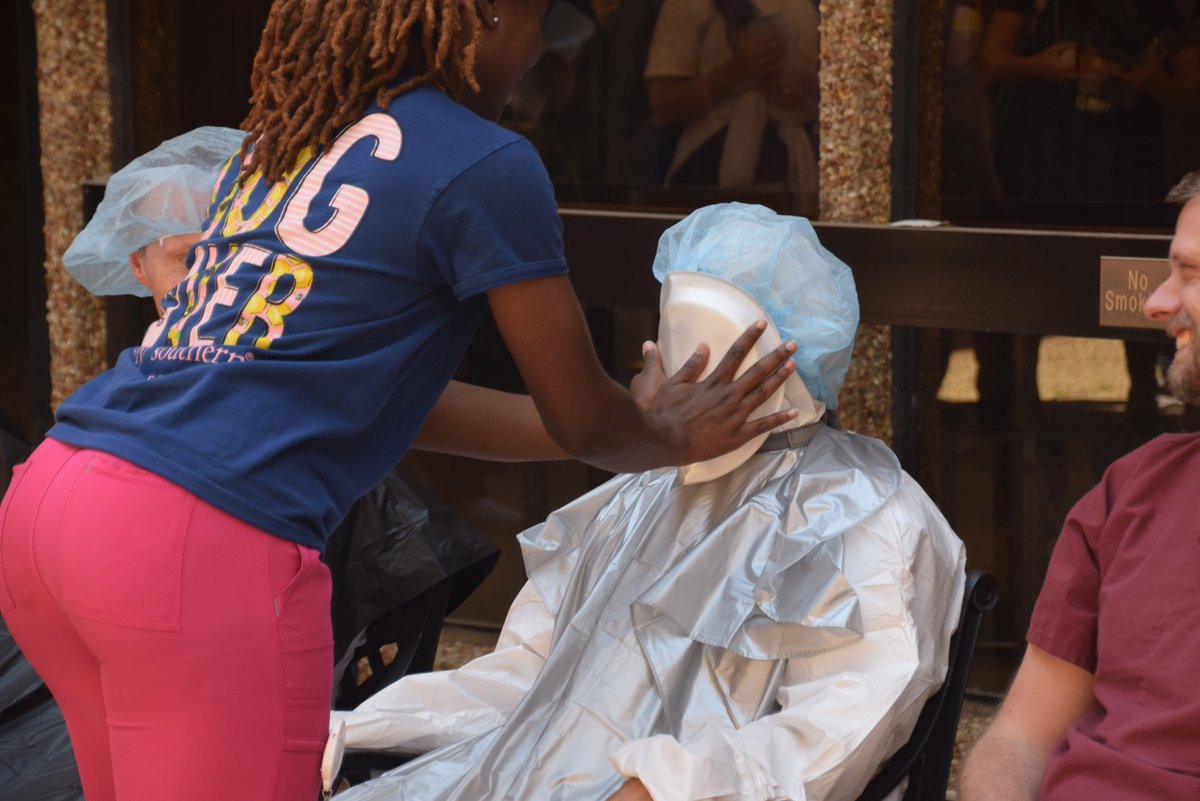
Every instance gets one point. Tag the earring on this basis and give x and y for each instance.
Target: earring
(495, 20)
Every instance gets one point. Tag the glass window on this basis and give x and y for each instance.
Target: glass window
(1023, 426)
(676, 103)
(1068, 112)
(1056, 114)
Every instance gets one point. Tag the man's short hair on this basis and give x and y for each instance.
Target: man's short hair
(1187, 188)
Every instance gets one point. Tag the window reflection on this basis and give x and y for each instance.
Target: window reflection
(1006, 482)
(739, 81)
(1069, 111)
(677, 102)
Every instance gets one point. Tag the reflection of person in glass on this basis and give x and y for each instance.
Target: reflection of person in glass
(966, 115)
(1090, 83)
(740, 77)
(1091, 89)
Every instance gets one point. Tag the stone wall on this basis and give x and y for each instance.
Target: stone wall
(75, 119)
(856, 185)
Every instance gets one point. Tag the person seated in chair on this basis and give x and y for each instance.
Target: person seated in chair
(764, 625)
(1103, 705)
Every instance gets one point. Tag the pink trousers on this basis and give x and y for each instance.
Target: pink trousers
(191, 653)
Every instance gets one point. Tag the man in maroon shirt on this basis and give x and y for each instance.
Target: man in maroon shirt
(1104, 705)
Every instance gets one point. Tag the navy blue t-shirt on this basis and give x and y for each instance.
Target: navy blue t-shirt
(322, 319)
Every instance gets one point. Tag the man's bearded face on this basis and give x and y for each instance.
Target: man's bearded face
(1183, 377)
(1176, 304)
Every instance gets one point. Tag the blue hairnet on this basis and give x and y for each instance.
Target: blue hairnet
(161, 193)
(808, 292)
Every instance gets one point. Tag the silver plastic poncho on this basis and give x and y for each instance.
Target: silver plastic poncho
(772, 634)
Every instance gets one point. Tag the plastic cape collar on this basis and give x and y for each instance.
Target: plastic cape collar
(757, 570)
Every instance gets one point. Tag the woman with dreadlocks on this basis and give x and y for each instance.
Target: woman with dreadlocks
(159, 551)
(739, 78)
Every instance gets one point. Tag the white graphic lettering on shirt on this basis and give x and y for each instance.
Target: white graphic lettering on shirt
(215, 221)
(239, 219)
(285, 279)
(349, 202)
(270, 312)
(193, 292)
(224, 294)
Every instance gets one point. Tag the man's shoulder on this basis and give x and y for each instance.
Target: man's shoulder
(1166, 451)
(1189, 440)
(1161, 469)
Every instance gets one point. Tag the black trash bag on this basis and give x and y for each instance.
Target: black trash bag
(13, 451)
(36, 760)
(401, 561)
(18, 680)
(17, 677)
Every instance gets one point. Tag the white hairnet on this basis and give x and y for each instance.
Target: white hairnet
(808, 292)
(161, 193)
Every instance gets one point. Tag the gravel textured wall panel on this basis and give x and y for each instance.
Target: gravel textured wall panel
(856, 186)
(76, 138)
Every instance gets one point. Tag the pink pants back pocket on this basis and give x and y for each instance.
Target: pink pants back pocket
(120, 546)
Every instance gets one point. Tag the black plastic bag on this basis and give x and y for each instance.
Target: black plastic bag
(401, 561)
(36, 760)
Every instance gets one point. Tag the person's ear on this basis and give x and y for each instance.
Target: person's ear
(489, 14)
(138, 269)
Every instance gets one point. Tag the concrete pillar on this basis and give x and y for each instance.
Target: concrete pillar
(75, 119)
(855, 166)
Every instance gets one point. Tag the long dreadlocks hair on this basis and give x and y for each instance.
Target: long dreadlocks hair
(321, 61)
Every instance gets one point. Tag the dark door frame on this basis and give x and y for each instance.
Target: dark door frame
(38, 327)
